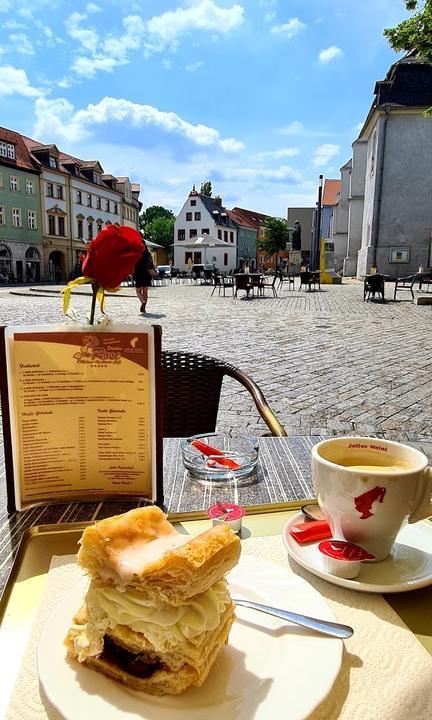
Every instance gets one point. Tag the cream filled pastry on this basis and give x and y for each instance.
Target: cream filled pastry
(157, 611)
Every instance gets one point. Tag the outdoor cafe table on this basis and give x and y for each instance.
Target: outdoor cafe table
(386, 673)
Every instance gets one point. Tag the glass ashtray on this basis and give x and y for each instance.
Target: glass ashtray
(219, 458)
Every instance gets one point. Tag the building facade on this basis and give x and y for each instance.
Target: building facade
(389, 202)
(338, 231)
(20, 214)
(203, 216)
(330, 198)
(247, 235)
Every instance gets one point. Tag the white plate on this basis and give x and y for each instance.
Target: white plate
(409, 566)
(269, 669)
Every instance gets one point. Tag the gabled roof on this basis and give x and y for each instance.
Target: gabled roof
(255, 219)
(23, 159)
(218, 212)
(331, 193)
(240, 220)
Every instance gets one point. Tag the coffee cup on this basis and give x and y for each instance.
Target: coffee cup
(367, 487)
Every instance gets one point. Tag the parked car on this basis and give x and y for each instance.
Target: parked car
(164, 270)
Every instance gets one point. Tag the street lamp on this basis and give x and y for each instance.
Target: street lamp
(316, 250)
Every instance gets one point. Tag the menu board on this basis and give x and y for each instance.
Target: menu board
(83, 406)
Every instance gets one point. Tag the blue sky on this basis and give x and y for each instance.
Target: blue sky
(260, 96)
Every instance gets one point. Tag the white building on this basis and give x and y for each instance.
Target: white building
(202, 215)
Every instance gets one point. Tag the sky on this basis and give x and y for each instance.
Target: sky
(258, 96)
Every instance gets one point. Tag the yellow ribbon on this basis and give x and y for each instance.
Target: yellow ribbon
(66, 292)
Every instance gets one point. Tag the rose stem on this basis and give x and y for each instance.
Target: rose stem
(95, 288)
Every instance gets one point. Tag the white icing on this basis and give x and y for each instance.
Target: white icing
(132, 559)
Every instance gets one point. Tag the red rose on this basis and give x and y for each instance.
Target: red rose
(112, 255)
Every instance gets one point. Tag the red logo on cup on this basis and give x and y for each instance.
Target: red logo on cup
(364, 502)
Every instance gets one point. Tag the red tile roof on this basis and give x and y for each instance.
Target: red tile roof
(254, 218)
(23, 159)
(240, 219)
(331, 192)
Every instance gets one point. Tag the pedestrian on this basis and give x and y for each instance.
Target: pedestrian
(144, 272)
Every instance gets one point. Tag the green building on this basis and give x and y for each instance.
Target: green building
(20, 213)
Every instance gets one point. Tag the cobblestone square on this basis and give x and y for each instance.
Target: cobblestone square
(327, 362)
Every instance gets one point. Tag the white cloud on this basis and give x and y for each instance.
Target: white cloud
(165, 30)
(278, 154)
(329, 54)
(93, 8)
(324, 153)
(21, 43)
(13, 24)
(297, 128)
(57, 118)
(193, 67)
(166, 64)
(284, 173)
(87, 38)
(289, 29)
(14, 81)
(5, 5)
(268, 17)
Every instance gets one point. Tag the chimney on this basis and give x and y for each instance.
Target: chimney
(193, 191)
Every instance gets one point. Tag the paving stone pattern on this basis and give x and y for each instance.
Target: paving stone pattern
(327, 362)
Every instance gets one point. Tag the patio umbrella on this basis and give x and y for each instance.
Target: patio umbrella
(205, 241)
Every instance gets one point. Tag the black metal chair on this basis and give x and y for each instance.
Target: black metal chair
(217, 284)
(306, 279)
(286, 278)
(242, 283)
(269, 282)
(373, 285)
(405, 284)
(191, 391)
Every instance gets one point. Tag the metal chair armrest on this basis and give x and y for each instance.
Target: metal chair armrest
(267, 414)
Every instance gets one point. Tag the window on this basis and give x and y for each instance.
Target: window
(197, 216)
(51, 225)
(61, 226)
(373, 153)
(2, 215)
(89, 200)
(14, 183)
(98, 203)
(225, 258)
(29, 187)
(225, 235)
(90, 231)
(181, 235)
(80, 229)
(79, 197)
(188, 216)
(7, 150)
(188, 256)
(96, 179)
(16, 217)
(59, 192)
(107, 205)
(99, 227)
(220, 234)
(50, 189)
(1, 180)
(193, 202)
(192, 233)
(52, 162)
(31, 219)
(205, 231)
(115, 209)
(231, 236)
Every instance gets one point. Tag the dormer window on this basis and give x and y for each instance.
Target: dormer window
(96, 178)
(52, 162)
(7, 150)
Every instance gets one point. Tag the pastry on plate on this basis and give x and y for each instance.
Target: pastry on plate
(158, 611)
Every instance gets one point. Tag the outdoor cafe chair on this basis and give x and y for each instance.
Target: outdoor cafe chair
(286, 278)
(373, 285)
(405, 283)
(242, 282)
(221, 283)
(306, 279)
(192, 385)
(269, 282)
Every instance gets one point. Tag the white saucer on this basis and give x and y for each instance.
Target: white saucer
(409, 566)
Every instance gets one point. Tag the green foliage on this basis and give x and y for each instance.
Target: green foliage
(206, 188)
(161, 231)
(152, 213)
(415, 33)
(276, 236)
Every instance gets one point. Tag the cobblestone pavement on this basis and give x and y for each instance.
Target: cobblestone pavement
(327, 362)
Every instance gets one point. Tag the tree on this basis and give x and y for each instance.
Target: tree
(152, 213)
(161, 231)
(206, 188)
(414, 33)
(276, 236)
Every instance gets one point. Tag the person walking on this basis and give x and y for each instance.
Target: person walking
(144, 272)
